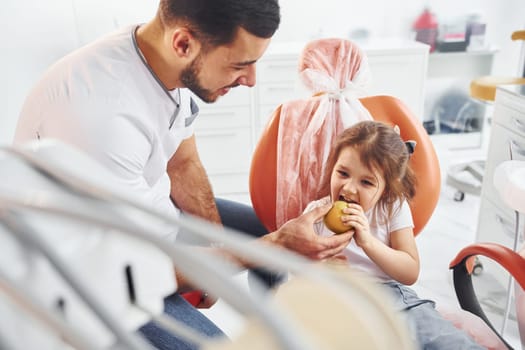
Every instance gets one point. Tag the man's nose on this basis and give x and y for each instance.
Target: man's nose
(249, 78)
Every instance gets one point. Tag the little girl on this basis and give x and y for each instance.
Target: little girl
(368, 168)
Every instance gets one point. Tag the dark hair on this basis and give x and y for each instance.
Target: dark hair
(380, 147)
(215, 22)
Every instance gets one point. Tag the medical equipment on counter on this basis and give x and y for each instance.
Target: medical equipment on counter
(83, 263)
(484, 90)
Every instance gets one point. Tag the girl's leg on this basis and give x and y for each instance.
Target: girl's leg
(431, 330)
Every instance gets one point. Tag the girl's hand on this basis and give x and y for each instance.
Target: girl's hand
(355, 217)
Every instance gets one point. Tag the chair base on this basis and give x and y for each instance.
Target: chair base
(457, 178)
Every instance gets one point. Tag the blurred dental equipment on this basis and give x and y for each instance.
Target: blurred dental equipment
(83, 264)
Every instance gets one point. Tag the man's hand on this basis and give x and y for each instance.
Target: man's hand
(298, 235)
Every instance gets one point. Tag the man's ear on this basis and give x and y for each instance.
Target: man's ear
(184, 44)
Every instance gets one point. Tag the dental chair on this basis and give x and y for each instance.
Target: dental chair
(509, 180)
(83, 264)
(387, 109)
(329, 66)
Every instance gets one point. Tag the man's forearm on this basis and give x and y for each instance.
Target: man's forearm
(192, 193)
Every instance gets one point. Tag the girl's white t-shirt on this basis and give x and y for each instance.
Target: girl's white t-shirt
(380, 227)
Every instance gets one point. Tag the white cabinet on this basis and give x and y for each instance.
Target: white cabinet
(228, 130)
(225, 139)
(399, 68)
(463, 65)
(507, 141)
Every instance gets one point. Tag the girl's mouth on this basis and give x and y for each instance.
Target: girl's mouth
(342, 198)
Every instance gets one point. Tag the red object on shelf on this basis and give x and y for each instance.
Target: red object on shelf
(426, 28)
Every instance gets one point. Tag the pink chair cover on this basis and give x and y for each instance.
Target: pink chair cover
(336, 73)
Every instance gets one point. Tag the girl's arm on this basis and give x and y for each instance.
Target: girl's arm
(401, 260)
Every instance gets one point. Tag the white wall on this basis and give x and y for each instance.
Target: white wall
(40, 31)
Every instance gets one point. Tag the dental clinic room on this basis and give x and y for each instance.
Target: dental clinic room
(262, 174)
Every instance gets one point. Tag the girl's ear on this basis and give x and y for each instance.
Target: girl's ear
(397, 130)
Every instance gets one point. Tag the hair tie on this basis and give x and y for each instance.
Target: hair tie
(411, 146)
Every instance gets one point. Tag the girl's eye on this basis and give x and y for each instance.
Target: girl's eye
(342, 173)
(367, 183)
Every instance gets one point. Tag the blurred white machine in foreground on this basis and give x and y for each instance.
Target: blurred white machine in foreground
(83, 264)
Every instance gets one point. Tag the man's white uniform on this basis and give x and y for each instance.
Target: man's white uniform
(104, 100)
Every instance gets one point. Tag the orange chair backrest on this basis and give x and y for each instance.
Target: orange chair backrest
(387, 109)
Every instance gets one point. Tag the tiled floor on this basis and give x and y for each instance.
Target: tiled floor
(452, 227)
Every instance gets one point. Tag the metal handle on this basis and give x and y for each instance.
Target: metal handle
(519, 124)
(508, 228)
(516, 149)
(278, 88)
(281, 66)
(216, 133)
(215, 114)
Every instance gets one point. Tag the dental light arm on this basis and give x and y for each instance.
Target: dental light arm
(84, 196)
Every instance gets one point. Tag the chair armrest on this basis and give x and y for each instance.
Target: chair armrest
(507, 258)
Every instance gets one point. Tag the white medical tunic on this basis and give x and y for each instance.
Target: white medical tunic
(104, 100)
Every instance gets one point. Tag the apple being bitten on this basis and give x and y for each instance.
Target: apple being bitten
(332, 219)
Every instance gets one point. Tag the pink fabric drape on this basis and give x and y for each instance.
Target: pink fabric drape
(335, 71)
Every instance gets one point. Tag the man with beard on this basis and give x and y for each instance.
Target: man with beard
(125, 100)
